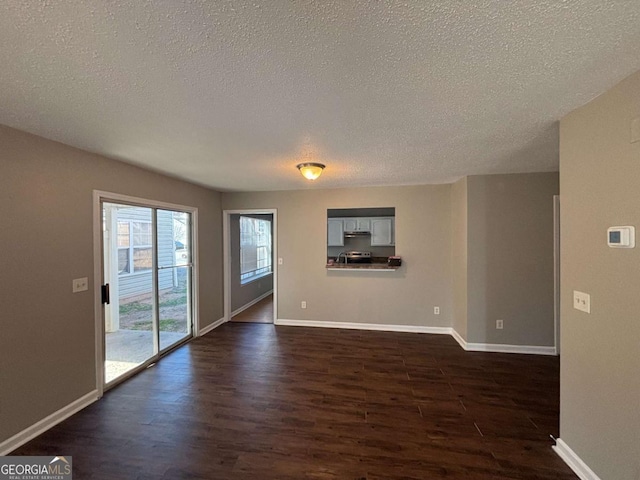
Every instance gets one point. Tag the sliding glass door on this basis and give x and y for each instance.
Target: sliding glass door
(174, 277)
(147, 285)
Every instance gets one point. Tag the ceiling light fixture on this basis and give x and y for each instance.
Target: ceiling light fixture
(310, 171)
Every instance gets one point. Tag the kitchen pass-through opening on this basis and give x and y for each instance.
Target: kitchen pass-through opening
(360, 235)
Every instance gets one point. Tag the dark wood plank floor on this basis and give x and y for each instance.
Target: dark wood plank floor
(261, 312)
(254, 401)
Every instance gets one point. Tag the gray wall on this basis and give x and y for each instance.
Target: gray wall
(47, 344)
(600, 368)
(241, 295)
(510, 258)
(406, 296)
(459, 255)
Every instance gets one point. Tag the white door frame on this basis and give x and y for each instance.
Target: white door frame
(226, 218)
(556, 272)
(100, 196)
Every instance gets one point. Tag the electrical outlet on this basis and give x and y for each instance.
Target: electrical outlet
(436, 310)
(80, 284)
(499, 324)
(582, 301)
(303, 304)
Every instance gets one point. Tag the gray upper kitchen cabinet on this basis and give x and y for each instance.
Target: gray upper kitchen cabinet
(363, 224)
(382, 232)
(335, 232)
(357, 224)
(350, 224)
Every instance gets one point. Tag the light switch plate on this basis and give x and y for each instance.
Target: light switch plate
(582, 301)
(80, 284)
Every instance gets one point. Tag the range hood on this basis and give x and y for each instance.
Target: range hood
(356, 233)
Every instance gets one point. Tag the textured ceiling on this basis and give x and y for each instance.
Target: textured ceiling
(234, 94)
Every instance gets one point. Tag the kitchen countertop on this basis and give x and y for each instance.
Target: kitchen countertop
(361, 266)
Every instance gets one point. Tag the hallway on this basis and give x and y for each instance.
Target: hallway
(261, 312)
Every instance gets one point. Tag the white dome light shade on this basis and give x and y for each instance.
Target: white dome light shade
(311, 171)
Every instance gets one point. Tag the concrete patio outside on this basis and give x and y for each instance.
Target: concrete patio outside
(126, 349)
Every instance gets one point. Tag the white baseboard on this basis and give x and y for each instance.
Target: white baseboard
(502, 348)
(458, 338)
(251, 303)
(364, 326)
(210, 327)
(46, 423)
(574, 461)
(470, 347)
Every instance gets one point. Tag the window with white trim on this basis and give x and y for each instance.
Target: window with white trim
(255, 248)
(135, 247)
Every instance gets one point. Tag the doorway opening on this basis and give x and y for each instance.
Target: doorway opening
(250, 265)
(146, 253)
(556, 271)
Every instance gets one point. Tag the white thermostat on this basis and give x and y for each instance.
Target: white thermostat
(621, 237)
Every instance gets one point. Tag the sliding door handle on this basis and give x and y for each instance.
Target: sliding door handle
(105, 294)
